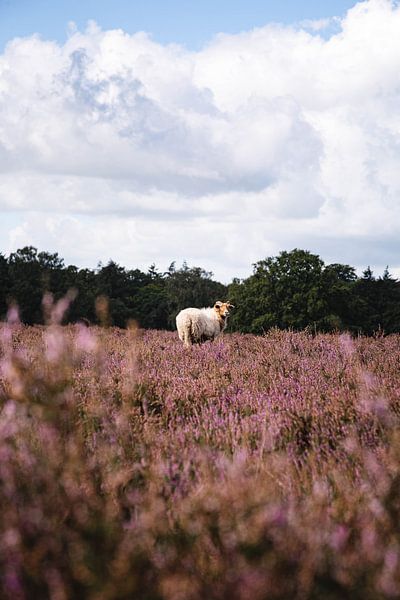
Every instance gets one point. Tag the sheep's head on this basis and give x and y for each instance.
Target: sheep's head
(222, 309)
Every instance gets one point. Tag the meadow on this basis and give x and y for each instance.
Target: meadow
(247, 468)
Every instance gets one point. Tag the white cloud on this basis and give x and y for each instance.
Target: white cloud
(320, 24)
(115, 146)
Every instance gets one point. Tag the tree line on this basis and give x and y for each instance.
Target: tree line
(292, 290)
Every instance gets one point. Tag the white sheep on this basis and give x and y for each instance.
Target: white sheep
(197, 325)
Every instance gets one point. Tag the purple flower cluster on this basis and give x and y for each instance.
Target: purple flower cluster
(246, 468)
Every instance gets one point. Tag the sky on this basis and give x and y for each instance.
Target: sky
(213, 132)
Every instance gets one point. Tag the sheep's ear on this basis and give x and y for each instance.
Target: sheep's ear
(229, 304)
(218, 304)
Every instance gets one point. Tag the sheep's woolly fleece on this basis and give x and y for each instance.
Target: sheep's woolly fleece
(196, 325)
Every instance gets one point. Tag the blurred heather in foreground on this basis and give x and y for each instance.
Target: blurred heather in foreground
(249, 468)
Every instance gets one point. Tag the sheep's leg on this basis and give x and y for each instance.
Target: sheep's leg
(187, 338)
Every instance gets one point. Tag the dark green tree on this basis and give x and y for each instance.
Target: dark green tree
(292, 290)
(4, 286)
(26, 286)
(84, 282)
(388, 302)
(122, 287)
(366, 290)
(151, 305)
(342, 303)
(295, 290)
(113, 282)
(52, 273)
(284, 291)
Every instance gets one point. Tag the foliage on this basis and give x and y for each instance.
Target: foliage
(251, 467)
(294, 290)
(4, 284)
(284, 291)
(297, 290)
(151, 305)
(379, 302)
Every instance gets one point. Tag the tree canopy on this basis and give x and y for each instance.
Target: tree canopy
(297, 290)
(292, 290)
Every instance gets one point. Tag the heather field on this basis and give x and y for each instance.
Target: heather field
(248, 468)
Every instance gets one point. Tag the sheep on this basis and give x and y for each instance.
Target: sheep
(197, 325)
